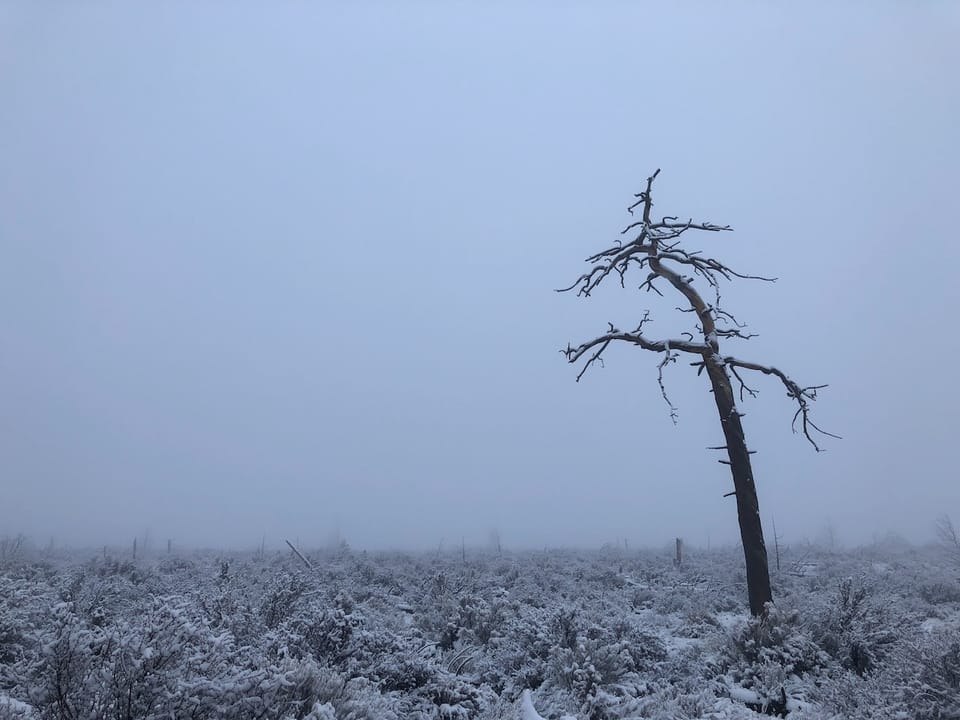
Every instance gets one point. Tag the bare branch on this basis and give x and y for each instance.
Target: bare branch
(734, 333)
(803, 396)
(619, 261)
(708, 266)
(593, 358)
(648, 284)
(645, 198)
(655, 246)
(655, 242)
(573, 354)
(724, 316)
(743, 385)
(668, 357)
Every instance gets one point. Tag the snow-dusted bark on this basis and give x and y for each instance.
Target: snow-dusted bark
(656, 247)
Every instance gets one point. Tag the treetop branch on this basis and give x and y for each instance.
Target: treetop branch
(656, 248)
(652, 244)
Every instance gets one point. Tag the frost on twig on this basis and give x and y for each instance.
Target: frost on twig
(668, 357)
(802, 395)
(654, 246)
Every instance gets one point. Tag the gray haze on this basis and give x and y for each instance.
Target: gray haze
(287, 268)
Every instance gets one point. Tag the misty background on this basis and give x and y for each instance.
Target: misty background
(287, 269)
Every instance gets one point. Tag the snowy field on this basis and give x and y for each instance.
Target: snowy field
(611, 633)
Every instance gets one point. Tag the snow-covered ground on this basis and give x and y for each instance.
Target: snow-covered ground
(869, 633)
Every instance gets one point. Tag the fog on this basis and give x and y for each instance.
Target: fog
(288, 270)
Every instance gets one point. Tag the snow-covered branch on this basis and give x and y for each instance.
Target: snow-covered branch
(599, 345)
(654, 242)
(802, 395)
(655, 247)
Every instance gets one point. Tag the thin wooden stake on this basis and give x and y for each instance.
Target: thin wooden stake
(299, 555)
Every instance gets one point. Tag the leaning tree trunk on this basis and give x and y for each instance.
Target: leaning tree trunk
(656, 247)
(748, 508)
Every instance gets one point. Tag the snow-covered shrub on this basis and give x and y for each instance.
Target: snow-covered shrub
(482, 620)
(127, 569)
(281, 599)
(847, 696)
(565, 628)
(322, 631)
(340, 699)
(467, 617)
(933, 693)
(429, 636)
(675, 600)
(23, 604)
(767, 655)
(777, 638)
(165, 663)
(587, 688)
(62, 681)
(573, 670)
(619, 648)
(11, 709)
(938, 593)
(673, 702)
(601, 661)
(179, 566)
(855, 631)
(522, 656)
(408, 668)
(641, 598)
(698, 623)
(453, 697)
(228, 607)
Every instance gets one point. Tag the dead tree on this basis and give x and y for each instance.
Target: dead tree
(948, 537)
(655, 246)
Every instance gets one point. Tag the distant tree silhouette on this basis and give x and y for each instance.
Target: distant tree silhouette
(655, 246)
(948, 537)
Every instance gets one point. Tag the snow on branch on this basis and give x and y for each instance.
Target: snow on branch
(669, 348)
(654, 241)
(655, 247)
(802, 395)
(636, 337)
(668, 357)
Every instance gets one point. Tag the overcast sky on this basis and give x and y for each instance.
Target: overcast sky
(288, 268)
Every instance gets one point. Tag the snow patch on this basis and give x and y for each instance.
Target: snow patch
(529, 712)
